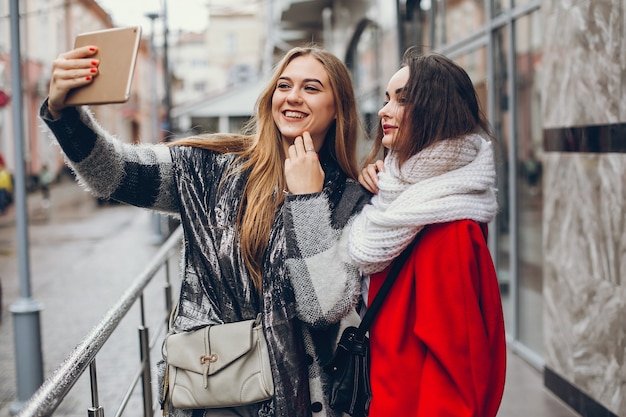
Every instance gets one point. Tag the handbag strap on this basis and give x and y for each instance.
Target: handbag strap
(377, 302)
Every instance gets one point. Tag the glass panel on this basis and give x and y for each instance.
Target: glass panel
(499, 6)
(475, 64)
(501, 123)
(439, 24)
(518, 3)
(236, 124)
(367, 78)
(457, 19)
(425, 14)
(366, 73)
(529, 186)
(417, 27)
(205, 124)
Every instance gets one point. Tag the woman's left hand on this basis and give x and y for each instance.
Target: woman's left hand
(303, 171)
(369, 176)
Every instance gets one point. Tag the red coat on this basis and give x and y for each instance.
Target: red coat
(438, 343)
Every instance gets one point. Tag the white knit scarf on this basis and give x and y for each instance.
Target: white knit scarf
(451, 180)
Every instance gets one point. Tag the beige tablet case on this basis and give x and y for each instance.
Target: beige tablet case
(117, 52)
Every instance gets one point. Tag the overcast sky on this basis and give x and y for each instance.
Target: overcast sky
(189, 15)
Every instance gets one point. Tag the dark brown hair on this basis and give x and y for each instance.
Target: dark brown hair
(440, 103)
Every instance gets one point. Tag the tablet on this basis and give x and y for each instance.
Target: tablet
(117, 52)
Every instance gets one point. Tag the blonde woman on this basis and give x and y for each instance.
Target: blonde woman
(241, 217)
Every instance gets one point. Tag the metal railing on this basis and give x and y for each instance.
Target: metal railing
(53, 391)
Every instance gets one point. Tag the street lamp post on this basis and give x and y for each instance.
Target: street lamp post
(157, 230)
(25, 310)
(154, 100)
(169, 126)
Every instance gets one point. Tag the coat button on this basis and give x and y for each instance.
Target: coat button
(316, 407)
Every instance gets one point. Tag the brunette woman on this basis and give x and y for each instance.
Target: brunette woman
(438, 342)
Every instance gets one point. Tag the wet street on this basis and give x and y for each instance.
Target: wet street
(82, 258)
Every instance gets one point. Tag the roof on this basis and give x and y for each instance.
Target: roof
(238, 101)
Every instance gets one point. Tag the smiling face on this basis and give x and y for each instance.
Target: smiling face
(303, 100)
(392, 112)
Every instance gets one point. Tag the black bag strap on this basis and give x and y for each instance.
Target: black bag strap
(397, 265)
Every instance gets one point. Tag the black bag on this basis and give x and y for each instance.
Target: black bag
(349, 369)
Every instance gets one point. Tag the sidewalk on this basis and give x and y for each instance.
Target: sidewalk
(65, 194)
(525, 394)
(82, 259)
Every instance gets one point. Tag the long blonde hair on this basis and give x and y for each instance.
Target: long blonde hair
(261, 152)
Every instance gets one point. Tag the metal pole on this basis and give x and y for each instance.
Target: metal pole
(157, 232)
(169, 126)
(154, 99)
(25, 310)
(146, 373)
(270, 44)
(96, 409)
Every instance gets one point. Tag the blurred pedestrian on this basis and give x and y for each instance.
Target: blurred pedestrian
(46, 178)
(6, 187)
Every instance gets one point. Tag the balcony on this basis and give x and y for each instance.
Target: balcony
(301, 20)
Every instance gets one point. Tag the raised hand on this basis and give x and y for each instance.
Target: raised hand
(71, 69)
(303, 171)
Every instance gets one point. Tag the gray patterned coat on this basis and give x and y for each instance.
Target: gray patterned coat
(300, 316)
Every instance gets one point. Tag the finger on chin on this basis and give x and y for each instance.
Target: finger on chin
(307, 140)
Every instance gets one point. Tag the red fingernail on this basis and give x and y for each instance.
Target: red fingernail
(88, 78)
(91, 48)
(94, 62)
(93, 70)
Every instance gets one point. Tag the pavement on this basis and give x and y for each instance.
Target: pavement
(40, 212)
(83, 257)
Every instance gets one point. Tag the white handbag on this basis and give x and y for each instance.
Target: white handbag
(218, 366)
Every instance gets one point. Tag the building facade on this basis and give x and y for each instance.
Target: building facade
(218, 71)
(584, 206)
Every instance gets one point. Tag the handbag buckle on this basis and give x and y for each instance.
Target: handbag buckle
(212, 358)
(206, 361)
